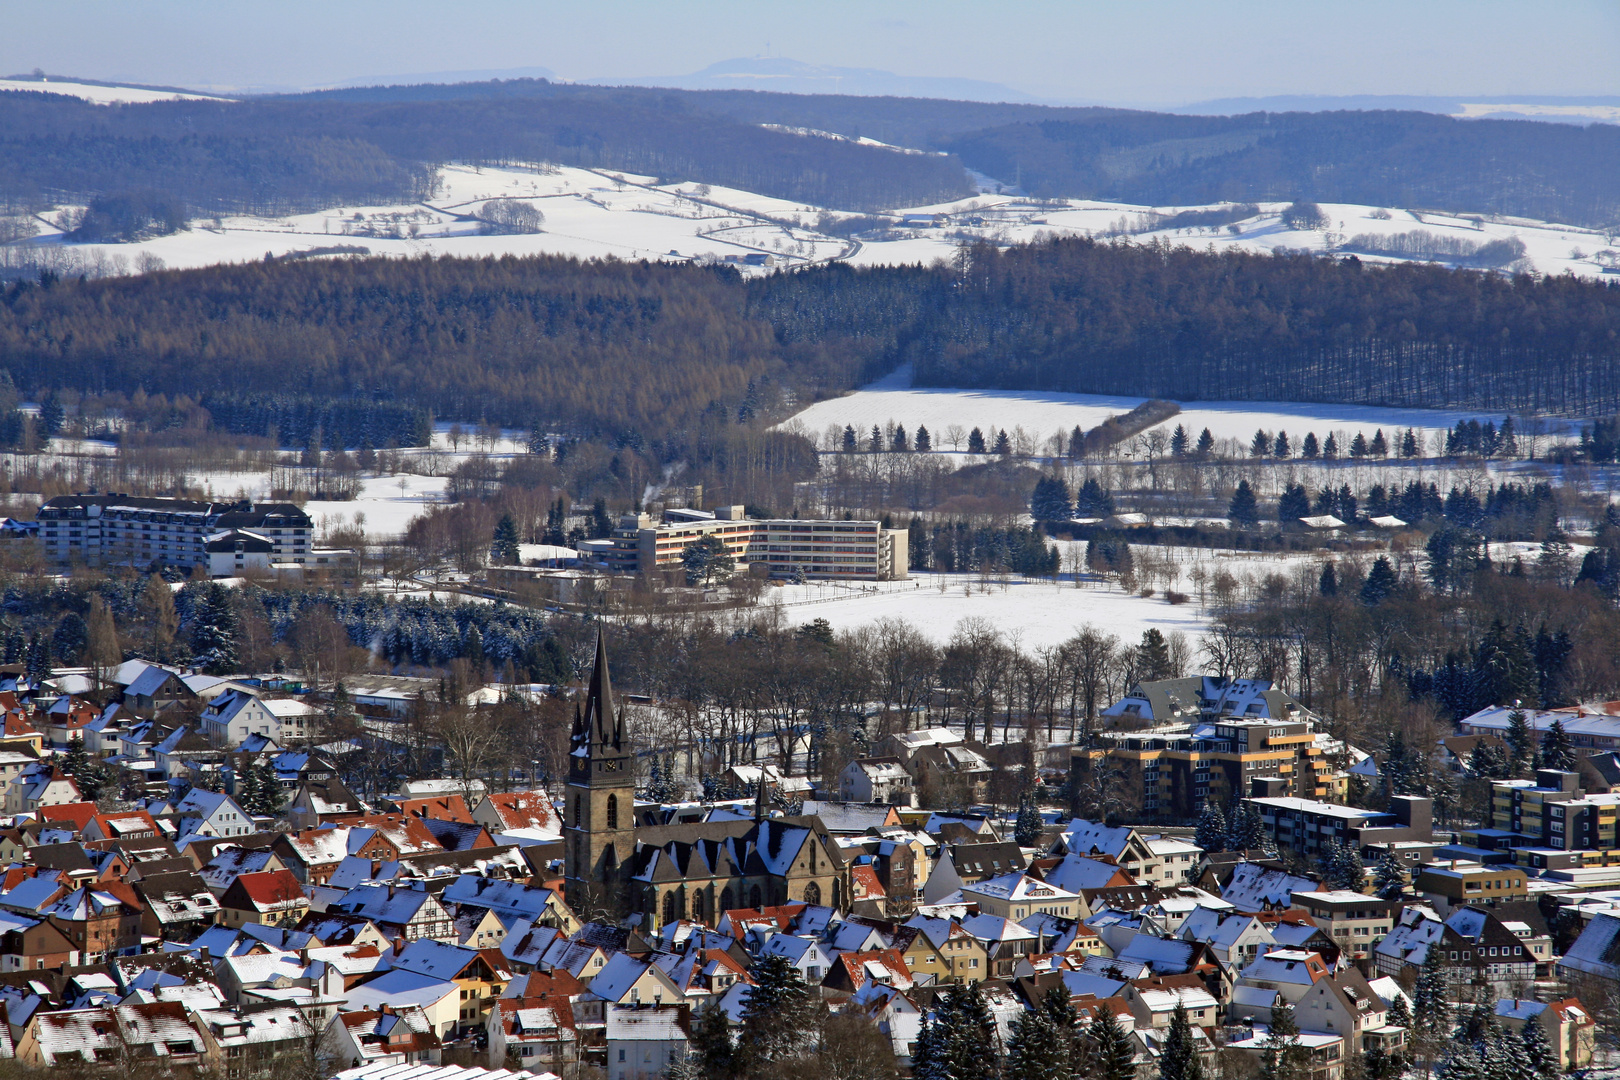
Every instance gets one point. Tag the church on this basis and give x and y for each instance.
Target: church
(617, 868)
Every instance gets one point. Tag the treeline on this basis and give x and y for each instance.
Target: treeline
(1156, 321)
(272, 156)
(321, 422)
(1556, 172)
(658, 355)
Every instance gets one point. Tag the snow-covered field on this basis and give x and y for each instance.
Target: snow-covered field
(598, 214)
(1032, 613)
(1041, 414)
(101, 95)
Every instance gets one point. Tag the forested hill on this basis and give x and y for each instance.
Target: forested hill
(1556, 172)
(653, 349)
(380, 145)
(275, 155)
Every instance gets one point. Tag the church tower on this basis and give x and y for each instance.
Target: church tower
(599, 810)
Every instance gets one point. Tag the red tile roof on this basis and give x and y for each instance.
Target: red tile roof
(443, 808)
(78, 813)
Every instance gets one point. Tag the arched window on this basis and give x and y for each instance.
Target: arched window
(754, 898)
(838, 894)
(613, 812)
(669, 907)
(576, 811)
(812, 893)
(727, 900)
(697, 906)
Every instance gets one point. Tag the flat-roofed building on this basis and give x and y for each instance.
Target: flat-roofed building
(132, 530)
(1356, 920)
(777, 547)
(1454, 883)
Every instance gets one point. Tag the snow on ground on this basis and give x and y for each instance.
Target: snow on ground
(599, 214)
(1042, 413)
(101, 95)
(1034, 613)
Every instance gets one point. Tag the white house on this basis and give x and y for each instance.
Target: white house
(876, 780)
(217, 813)
(236, 714)
(39, 785)
(644, 1040)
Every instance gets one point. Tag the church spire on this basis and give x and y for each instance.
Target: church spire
(601, 722)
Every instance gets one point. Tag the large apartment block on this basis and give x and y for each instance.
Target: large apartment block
(115, 529)
(862, 550)
(1551, 822)
(1180, 743)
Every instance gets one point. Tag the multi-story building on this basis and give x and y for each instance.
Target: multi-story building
(1456, 883)
(1304, 825)
(1208, 739)
(116, 529)
(1551, 823)
(860, 550)
(1357, 921)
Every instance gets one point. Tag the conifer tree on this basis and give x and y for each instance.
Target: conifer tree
(711, 1043)
(1060, 1010)
(1557, 752)
(1260, 444)
(1027, 829)
(778, 1019)
(1153, 656)
(1178, 1058)
(1178, 442)
(1035, 1048)
(1211, 835)
(973, 1050)
(849, 439)
(1280, 448)
(874, 443)
(1540, 1060)
(1380, 582)
(1400, 1014)
(924, 442)
(1206, 444)
(1520, 740)
(1003, 443)
(1310, 449)
(504, 549)
(1379, 446)
(1358, 446)
(1409, 444)
(898, 441)
(975, 441)
(1389, 876)
(1244, 509)
(1328, 583)
(1283, 1058)
(1431, 1011)
(1112, 1050)
(1330, 448)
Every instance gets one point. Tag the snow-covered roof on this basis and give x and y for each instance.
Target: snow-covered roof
(1020, 887)
(400, 987)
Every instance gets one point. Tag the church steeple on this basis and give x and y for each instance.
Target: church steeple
(600, 802)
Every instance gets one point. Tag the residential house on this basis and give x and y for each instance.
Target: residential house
(438, 999)
(313, 854)
(958, 771)
(40, 784)
(1018, 896)
(271, 897)
(408, 913)
(944, 949)
(1345, 1004)
(512, 899)
(1570, 1027)
(256, 1042)
(215, 813)
(159, 1031)
(1501, 959)
(876, 780)
(178, 905)
(318, 802)
(853, 972)
(522, 814)
(387, 1035)
(29, 943)
(643, 1041)
(480, 975)
(1123, 844)
(533, 1032)
(1356, 920)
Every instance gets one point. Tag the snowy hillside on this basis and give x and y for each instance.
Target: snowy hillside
(593, 214)
(98, 94)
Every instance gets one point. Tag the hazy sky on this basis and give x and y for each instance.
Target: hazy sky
(1126, 51)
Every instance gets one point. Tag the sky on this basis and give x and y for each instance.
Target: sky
(1143, 52)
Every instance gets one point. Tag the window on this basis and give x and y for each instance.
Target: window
(613, 812)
